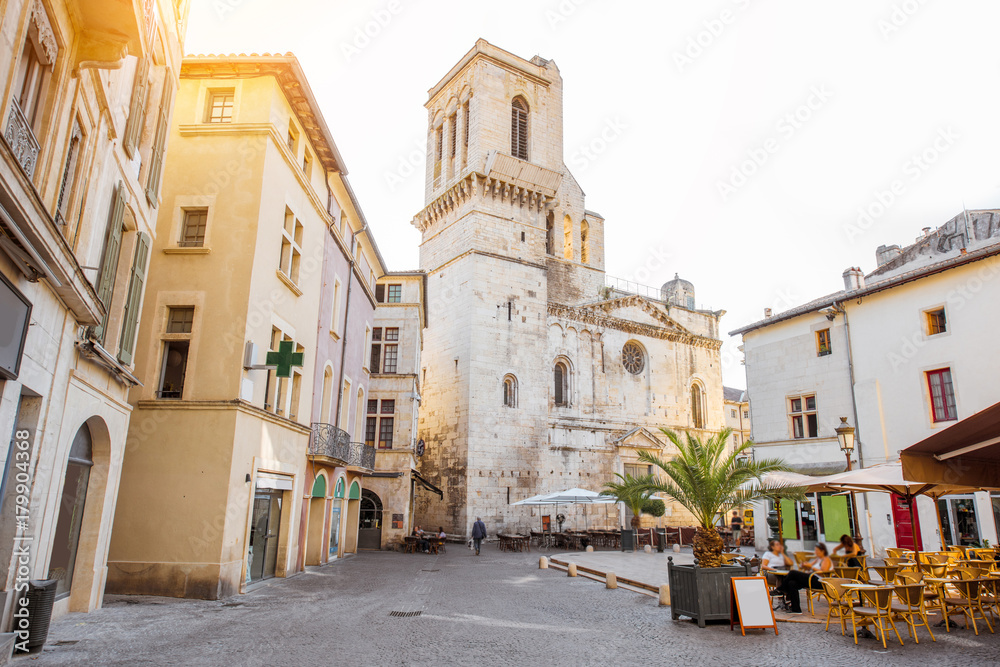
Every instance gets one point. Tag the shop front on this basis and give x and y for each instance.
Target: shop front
(270, 495)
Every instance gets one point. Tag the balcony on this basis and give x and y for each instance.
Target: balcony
(21, 139)
(114, 28)
(332, 444)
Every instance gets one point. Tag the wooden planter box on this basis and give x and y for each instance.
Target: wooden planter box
(701, 592)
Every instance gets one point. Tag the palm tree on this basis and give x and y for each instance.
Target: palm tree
(632, 492)
(709, 482)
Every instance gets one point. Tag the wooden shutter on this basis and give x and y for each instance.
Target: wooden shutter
(126, 347)
(109, 262)
(137, 108)
(154, 176)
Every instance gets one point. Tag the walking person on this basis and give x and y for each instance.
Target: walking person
(478, 533)
(736, 526)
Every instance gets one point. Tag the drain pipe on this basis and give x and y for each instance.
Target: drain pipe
(347, 318)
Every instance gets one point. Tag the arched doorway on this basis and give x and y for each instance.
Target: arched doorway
(317, 522)
(71, 507)
(338, 501)
(370, 521)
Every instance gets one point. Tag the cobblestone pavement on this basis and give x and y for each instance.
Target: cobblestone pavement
(497, 609)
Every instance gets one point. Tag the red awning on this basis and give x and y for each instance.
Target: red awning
(966, 453)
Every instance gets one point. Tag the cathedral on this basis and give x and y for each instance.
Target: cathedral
(536, 375)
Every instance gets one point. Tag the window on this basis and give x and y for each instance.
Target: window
(732, 413)
(560, 378)
(584, 238)
(380, 293)
(803, 417)
(567, 237)
(180, 320)
(69, 174)
(109, 258)
(193, 228)
(345, 406)
(936, 321)
(697, 406)
(137, 108)
(375, 360)
(388, 406)
(136, 283)
(633, 358)
(823, 343)
(942, 395)
(453, 139)
(291, 247)
(293, 138)
(335, 315)
(391, 355)
(395, 293)
(636, 471)
(33, 73)
(385, 426)
(519, 128)
(307, 164)
(465, 133)
(220, 106)
(371, 425)
(380, 423)
(510, 391)
(550, 234)
(746, 414)
(160, 142)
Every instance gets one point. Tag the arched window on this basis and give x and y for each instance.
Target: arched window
(568, 237)
(560, 377)
(584, 237)
(71, 508)
(519, 128)
(697, 406)
(550, 233)
(510, 391)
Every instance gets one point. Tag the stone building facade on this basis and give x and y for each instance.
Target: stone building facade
(87, 90)
(535, 377)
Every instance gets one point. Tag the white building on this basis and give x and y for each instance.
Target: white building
(736, 406)
(901, 352)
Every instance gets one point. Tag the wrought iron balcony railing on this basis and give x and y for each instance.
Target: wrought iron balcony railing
(334, 443)
(21, 139)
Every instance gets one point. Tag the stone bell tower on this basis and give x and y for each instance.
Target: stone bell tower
(504, 233)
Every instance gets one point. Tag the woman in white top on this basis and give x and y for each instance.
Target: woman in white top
(774, 559)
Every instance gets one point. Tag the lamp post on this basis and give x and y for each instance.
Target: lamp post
(845, 435)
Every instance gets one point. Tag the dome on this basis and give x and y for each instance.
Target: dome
(678, 292)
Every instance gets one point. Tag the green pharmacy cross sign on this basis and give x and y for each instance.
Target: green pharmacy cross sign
(284, 359)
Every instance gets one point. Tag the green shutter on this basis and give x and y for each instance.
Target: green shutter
(126, 347)
(137, 108)
(109, 261)
(319, 487)
(355, 492)
(160, 143)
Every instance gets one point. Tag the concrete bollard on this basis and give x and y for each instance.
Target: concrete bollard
(571, 570)
(612, 580)
(664, 595)
(590, 549)
(648, 549)
(543, 563)
(677, 548)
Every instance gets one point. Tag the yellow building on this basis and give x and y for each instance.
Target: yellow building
(221, 486)
(86, 101)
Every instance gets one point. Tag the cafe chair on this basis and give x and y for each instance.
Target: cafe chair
(847, 572)
(967, 602)
(876, 608)
(816, 592)
(933, 569)
(840, 601)
(801, 557)
(989, 596)
(886, 572)
(912, 609)
(893, 552)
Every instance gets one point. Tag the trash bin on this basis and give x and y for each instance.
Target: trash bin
(661, 539)
(41, 597)
(628, 540)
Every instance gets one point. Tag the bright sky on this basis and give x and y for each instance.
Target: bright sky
(731, 141)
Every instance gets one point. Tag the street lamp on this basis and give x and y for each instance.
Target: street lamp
(845, 435)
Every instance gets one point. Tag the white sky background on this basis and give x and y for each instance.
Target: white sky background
(894, 76)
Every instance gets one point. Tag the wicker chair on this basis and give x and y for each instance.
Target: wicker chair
(839, 600)
(886, 572)
(968, 601)
(876, 608)
(912, 609)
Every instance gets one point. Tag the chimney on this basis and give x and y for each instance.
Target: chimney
(767, 313)
(854, 279)
(887, 253)
(926, 231)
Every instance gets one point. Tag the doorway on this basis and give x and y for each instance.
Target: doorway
(71, 508)
(265, 526)
(370, 522)
(901, 521)
(959, 523)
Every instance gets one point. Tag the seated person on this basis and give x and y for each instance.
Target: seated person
(851, 550)
(774, 559)
(422, 541)
(441, 534)
(808, 577)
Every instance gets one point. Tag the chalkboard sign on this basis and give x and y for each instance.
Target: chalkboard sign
(750, 604)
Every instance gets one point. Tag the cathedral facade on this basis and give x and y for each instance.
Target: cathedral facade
(535, 375)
